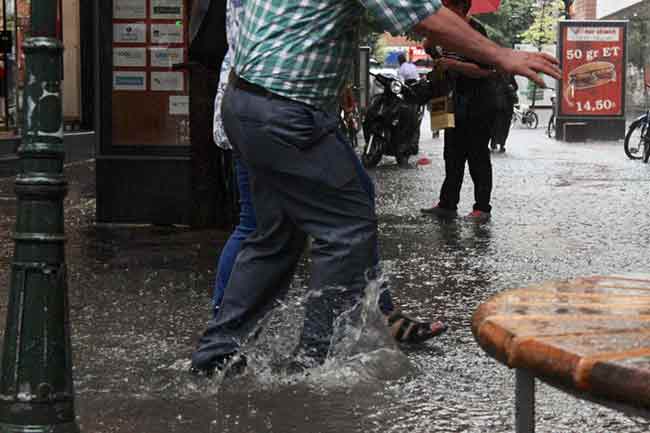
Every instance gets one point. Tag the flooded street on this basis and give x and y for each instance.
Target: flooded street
(140, 298)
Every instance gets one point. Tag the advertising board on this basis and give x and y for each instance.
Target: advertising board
(593, 69)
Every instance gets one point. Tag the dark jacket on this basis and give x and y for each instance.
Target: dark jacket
(474, 98)
(505, 93)
(207, 33)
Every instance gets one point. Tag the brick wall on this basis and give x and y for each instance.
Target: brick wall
(584, 9)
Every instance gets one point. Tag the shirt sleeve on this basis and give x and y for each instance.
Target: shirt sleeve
(218, 131)
(399, 16)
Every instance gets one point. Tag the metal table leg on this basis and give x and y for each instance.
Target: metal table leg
(524, 401)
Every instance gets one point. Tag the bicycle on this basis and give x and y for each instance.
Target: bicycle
(350, 116)
(551, 131)
(526, 117)
(637, 139)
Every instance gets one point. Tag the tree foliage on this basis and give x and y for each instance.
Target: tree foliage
(506, 25)
(543, 30)
(639, 40)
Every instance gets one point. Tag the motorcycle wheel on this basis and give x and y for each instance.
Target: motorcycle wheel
(371, 158)
(531, 120)
(354, 138)
(634, 137)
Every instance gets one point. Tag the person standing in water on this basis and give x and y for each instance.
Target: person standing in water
(279, 113)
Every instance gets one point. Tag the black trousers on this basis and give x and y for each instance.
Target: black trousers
(468, 142)
(501, 129)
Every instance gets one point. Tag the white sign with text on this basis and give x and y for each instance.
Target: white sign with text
(167, 81)
(179, 105)
(129, 9)
(130, 80)
(129, 57)
(163, 57)
(131, 33)
(166, 9)
(166, 33)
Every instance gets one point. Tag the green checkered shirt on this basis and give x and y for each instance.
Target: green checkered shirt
(303, 49)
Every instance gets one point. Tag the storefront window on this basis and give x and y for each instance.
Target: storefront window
(15, 29)
(150, 104)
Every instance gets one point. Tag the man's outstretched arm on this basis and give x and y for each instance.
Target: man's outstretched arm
(446, 29)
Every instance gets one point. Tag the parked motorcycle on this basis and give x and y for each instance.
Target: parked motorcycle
(392, 122)
(637, 139)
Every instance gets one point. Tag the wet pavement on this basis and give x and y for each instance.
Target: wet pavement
(140, 295)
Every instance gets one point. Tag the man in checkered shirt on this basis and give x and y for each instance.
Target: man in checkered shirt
(279, 114)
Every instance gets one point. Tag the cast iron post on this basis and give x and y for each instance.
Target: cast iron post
(36, 390)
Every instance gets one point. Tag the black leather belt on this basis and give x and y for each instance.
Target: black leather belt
(255, 89)
(249, 87)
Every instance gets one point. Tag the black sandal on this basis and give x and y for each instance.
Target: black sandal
(406, 330)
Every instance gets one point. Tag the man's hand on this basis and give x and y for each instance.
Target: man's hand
(528, 64)
(452, 32)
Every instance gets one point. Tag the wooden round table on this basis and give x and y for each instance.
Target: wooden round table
(588, 336)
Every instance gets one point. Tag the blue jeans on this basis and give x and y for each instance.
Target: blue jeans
(245, 227)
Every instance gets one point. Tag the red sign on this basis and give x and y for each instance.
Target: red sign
(417, 53)
(646, 70)
(593, 70)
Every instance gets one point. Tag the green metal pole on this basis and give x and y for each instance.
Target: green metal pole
(36, 389)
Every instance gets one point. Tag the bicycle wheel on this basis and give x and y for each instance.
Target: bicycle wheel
(531, 120)
(550, 128)
(634, 140)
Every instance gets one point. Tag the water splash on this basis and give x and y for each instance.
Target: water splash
(361, 347)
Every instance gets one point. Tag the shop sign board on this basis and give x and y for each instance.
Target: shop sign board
(130, 33)
(166, 9)
(129, 57)
(593, 68)
(166, 81)
(166, 33)
(129, 9)
(130, 80)
(179, 105)
(164, 57)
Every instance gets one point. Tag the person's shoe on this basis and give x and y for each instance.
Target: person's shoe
(478, 216)
(407, 330)
(403, 163)
(502, 149)
(232, 363)
(439, 212)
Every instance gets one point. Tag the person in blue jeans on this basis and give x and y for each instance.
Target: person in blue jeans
(403, 328)
(279, 113)
(244, 228)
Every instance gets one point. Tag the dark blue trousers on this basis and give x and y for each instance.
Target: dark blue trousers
(304, 181)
